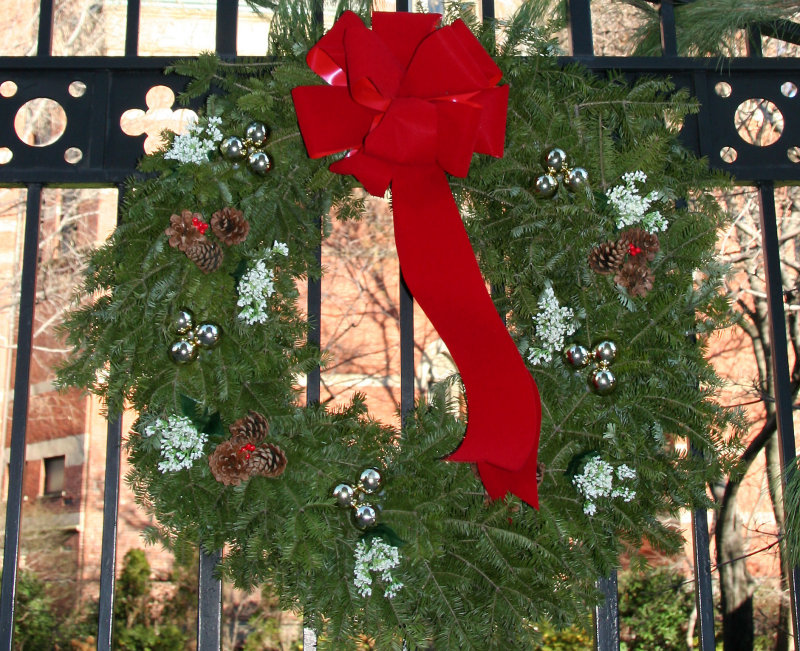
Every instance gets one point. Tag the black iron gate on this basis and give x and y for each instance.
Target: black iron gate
(108, 156)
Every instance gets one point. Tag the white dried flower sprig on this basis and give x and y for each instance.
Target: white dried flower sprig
(554, 323)
(181, 442)
(258, 284)
(378, 557)
(197, 143)
(597, 482)
(632, 208)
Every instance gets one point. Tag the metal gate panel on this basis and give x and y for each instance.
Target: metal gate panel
(116, 84)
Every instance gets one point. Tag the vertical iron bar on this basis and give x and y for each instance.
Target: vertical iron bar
(487, 10)
(318, 18)
(669, 35)
(754, 44)
(22, 374)
(406, 351)
(780, 357)
(108, 556)
(209, 602)
(108, 559)
(402, 5)
(227, 16)
(44, 44)
(579, 13)
(132, 28)
(703, 592)
(703, 595)
(209, 587)
(606, 615)
(313, 379)
(315, 326)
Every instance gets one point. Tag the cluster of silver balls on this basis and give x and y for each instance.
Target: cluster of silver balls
(558, 171)
(251, 147)
(601, 379)
(355, 497)
(205, 335)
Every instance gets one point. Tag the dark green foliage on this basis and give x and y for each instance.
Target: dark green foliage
(654, 609)
(711, 27)
(137, 627)
(35, 621)
(476, 574)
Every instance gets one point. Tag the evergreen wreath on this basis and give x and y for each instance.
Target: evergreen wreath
(223, 455)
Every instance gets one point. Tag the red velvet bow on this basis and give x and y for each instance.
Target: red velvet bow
(411, 103)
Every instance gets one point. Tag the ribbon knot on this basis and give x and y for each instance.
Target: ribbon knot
(411, 103)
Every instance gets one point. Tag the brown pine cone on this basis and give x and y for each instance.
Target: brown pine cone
(252, 428)
(635, 276)
(206, 254)
(641, 239)
(540, 470)
(607, 257)
(229, 463)
(230, 226)
(181, 232)
(267, 461)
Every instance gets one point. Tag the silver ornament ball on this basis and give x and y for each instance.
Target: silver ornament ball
(370, 480)
(184, 321)
(556, 159)
(545, 186)
(577, 356)
(605, 352)
(365, 516)
(260, 162)
(207, 335)
(257, 133)
(183, 352)
(233, 148)
(577, 179)
(344, 494)
(602, 381)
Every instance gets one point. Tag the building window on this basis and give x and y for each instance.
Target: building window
(54, 475)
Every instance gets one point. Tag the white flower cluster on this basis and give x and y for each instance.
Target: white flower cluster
(181, 443)
(257, 285)
(632, 208)
(597, 481)
(197, 143)
(554, 324)
(376, 557)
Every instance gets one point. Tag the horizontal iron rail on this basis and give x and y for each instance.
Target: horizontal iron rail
(116, 84)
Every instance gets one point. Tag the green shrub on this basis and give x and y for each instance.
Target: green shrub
(137, 627)
(654, 609)
(35, 622)
(574, 638)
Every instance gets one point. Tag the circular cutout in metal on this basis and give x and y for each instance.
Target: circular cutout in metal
(728, 154)
(73, 155)
(759, 122)
(5, 155)
(789, 89)
(40, 122)
(723, 89)
(8, 89)
(793, 154)
(77, 89)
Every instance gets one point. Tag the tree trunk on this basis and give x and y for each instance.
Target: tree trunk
(736, 585)
(775, 484)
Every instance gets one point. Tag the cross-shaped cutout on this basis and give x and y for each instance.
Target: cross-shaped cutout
(158, 117)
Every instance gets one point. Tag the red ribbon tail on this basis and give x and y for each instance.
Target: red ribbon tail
(439, 266)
